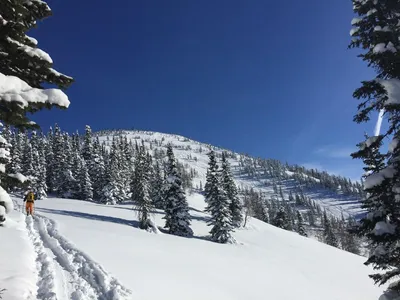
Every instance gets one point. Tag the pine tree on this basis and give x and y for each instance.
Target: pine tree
(177, 217)
(156, 183)
(4, 158)
(113, 191)
(230, 189)
(15, 165)
(86, 189)
(20, 57)
(218, 204)
(57, 160)
(96, 169)
(281, 219)
(41, 175)
(348, 239)
(328, 235)
(67, 184)
(300, 225)
(141, 192)
(377, 33)
(311, 218)
(87, 147)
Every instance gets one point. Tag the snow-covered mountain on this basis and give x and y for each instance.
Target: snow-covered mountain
(74, 249)
(193, 155)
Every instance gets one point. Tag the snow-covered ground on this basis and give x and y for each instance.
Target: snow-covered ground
(80, 250)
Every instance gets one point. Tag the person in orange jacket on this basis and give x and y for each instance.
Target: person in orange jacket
(30, 200)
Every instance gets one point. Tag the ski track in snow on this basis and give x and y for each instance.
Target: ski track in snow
(86, 279)
(44, 264)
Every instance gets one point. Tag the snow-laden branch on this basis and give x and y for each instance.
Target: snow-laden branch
(13, 89)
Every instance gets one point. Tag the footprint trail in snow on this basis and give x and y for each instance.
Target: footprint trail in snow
(78, 276)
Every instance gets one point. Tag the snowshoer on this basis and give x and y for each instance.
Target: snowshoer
(30, 200)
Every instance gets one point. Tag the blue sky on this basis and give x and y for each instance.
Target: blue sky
(270, 78)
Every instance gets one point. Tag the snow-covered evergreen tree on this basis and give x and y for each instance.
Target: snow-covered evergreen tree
(281, 219)
(329, 235)
(217, 204)
(96, 168)
(141, 189)
(348, 240)
(32, 67)
(56, 165)
(7, 204)
(156, 182)
(231, 192)
(177, 217)
(113, 191)
(376, 32)
(300, 225)
(67, 185)
(86, 189)
(15, 165)
(87, 147)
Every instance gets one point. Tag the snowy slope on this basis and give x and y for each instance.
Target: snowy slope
(194, 155)
(99, 253)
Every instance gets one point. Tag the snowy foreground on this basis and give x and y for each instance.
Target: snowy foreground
(79, 250)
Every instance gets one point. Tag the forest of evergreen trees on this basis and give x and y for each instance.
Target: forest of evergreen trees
(115, 169)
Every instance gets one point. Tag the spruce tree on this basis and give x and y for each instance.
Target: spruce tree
(87, 147)
(67, 185)
(230, 189)
(85, 184)
(41, 174)
(300, 225)
(20, 57)
(113, 191)
(4, 160)
(56, 165)
(141, 192)
(15, 165)
(329, 235)
(348, 240)
(281, 219)
(217, 204)
(376, 32)
(177, 217)
(49, 146)
(96, 168)
(156, 183)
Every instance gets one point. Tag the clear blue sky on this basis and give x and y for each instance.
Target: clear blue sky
(270, 78)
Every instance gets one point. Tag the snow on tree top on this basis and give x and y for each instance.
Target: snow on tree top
(13, 89)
